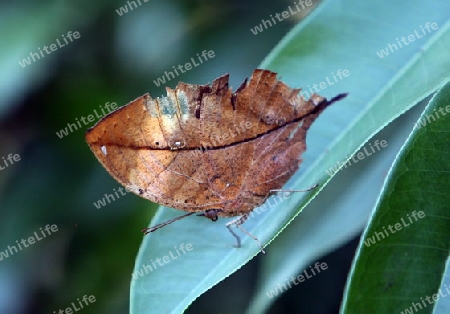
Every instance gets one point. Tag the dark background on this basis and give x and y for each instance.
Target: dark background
(57, 180)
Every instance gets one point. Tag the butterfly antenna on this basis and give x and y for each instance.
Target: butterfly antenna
(337, 98)
(308, 189)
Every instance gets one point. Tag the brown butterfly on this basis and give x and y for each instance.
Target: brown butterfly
(205, 149)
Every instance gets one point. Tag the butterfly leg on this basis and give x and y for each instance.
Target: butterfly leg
(238, 223)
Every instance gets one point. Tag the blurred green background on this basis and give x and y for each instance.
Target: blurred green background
(58, 180)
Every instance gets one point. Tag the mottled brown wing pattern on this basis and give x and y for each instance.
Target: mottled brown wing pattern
(204, 147)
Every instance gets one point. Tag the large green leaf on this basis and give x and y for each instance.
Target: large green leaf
(404, 250)
(319, 229)
(338, 35)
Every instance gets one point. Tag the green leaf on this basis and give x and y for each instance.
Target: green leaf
(404, 250)
(339, 35)
(323, 226)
